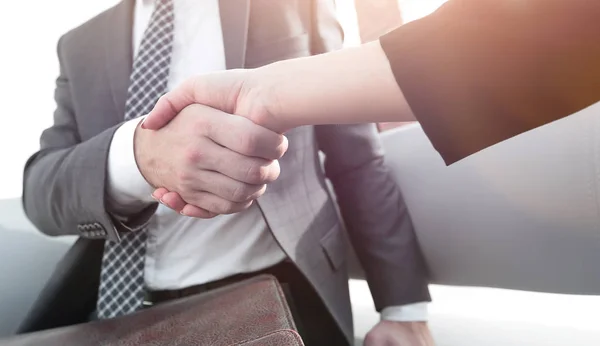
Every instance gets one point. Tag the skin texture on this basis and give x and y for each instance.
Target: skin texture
(218, 162)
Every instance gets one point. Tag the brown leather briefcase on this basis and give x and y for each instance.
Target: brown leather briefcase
(253, 312)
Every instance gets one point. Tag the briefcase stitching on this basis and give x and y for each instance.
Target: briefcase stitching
(287, 331)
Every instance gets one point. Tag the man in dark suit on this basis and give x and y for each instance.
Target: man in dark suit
(94, 175)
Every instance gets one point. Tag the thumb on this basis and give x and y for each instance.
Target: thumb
(217, 90)
(169, 105)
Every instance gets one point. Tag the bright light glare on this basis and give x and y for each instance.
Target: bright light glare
(415, 9)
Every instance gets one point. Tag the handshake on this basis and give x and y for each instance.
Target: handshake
(210, 147)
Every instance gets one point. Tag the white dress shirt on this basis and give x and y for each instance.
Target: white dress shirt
(183, 251)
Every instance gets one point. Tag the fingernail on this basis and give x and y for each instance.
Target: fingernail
(182, 213)
(154, 198)
(143, 125)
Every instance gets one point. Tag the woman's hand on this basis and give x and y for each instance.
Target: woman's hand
(235, 92)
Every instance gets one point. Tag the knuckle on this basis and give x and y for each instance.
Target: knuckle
(270, 172)
(279, 151)
(257, 174)
(256, 192)
(184, 183)
(193, 156)
(185, 174)
(183, 178)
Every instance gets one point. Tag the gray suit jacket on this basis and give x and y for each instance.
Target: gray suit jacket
(64, 183)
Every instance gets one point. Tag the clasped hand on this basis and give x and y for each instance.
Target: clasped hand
(203, 160)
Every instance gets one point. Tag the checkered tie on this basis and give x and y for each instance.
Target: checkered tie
(122, 276)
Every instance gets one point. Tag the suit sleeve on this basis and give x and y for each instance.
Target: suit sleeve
(375, 214)
(477, 72)
(64, 182)
(369, 199)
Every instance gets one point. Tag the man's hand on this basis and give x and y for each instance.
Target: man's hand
(233, 92)
(216, 162)
(390, 333)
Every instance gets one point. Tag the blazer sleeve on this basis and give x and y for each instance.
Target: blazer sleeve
(477, 72)
(375, 214)
(64, 182)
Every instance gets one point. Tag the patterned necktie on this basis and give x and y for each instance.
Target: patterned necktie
(122, 276)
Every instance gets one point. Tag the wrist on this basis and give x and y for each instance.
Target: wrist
(257, 98)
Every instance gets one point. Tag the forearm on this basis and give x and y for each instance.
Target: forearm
(66, 193)
(347, 86)
(470, 79)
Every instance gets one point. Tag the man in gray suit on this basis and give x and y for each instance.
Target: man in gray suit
(95, 172)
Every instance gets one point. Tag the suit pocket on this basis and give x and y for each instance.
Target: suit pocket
(334, 247)
(263, 54)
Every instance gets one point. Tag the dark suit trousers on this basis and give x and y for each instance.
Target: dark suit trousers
(314, 322)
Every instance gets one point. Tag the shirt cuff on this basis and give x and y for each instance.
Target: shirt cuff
(416, 312)
(127, 190)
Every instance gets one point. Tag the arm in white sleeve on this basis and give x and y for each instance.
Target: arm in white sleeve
(127, 190)
(416, 312)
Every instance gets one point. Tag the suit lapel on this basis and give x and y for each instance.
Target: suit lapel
(235, 16)
(234, 23)
(118, 50)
